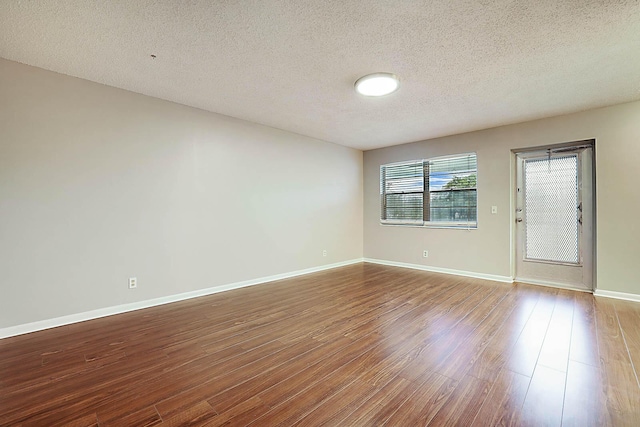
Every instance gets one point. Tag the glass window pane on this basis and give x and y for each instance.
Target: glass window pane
(465, 163)
(551, 200)
(452, 189)
(404, 185)
(451, 180)
(441, 214)
(454, 206)
(404, 206)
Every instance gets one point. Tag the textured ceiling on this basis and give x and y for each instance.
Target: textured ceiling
(464, 64)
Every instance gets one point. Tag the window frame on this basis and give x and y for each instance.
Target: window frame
(426, 196)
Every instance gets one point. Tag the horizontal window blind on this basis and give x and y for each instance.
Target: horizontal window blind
(439, 192)
(402, 187)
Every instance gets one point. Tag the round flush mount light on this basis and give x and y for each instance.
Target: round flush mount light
(377, 84)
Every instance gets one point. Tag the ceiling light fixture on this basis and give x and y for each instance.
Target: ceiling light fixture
(377, 84)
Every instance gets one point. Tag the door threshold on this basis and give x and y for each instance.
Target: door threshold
(550, 284)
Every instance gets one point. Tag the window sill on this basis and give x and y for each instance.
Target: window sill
(448, 225)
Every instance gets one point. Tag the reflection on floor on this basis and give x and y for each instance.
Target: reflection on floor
(359, 345)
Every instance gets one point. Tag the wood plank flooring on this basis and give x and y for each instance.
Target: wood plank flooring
(363, 345)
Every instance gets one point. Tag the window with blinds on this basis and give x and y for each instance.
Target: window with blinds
(438, 192)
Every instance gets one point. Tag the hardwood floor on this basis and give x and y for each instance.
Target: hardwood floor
(364, 345)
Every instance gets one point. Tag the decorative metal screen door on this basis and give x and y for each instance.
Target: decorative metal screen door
(554, 217)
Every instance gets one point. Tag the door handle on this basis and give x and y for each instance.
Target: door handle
(518, 219)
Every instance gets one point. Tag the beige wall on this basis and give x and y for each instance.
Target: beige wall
(99, 184)
(487, 249)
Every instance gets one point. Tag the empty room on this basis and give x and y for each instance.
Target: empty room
(307, 213)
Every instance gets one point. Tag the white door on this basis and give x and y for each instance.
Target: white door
(554, 217)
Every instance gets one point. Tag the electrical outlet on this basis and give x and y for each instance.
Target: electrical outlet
(494, 209)
(324, 252)
(425, 254)
(133, 282)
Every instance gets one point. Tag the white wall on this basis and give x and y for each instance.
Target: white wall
(99, 184)
(487, 249)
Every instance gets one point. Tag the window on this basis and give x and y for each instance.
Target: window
(437, 192)
(550, 201)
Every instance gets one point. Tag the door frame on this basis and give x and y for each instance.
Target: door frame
(513, 202)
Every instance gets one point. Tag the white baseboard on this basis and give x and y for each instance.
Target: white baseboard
(549, 284)
(617, 295)
(109, 311)
(496, 278)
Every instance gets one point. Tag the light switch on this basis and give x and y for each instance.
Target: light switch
(494, 209)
